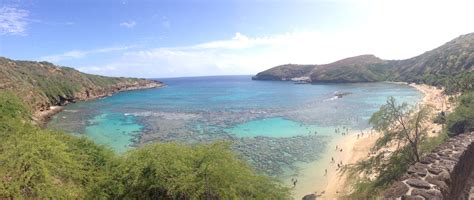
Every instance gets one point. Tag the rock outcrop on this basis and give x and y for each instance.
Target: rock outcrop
(446, 173)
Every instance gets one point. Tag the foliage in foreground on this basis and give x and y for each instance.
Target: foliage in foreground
(42, 164)
(175, 171)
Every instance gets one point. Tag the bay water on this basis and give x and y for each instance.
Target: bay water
(274, 125)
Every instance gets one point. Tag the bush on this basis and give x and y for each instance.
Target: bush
(42, 164)
(440, 118)
(177, 171)
(462, 119)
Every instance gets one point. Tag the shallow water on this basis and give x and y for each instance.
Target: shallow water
(272, 124)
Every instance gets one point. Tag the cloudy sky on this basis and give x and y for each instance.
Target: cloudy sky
(176, 38)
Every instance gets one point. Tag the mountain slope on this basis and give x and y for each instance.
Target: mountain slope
(451, 59)
(43, 84)
(285, 72)
(354, 69)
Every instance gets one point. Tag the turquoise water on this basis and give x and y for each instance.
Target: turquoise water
(114, 130)
(272, 124)
(277, 127)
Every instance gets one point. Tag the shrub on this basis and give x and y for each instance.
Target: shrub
(462, 119)
(177, 171)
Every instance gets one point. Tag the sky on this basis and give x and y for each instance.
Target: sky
(155, 38)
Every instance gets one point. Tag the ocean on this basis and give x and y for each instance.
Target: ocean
(274, 125)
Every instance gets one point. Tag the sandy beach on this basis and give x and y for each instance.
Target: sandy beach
(355, 148)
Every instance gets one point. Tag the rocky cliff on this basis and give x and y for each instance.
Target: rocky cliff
(42, 84)
(433, 67)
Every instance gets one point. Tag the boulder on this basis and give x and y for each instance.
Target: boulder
(309, 197)
(396, 190)
(418, 183)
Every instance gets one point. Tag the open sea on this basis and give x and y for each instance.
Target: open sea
(274, 125)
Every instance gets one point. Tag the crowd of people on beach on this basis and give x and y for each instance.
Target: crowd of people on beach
(340, 165)
(344, 131)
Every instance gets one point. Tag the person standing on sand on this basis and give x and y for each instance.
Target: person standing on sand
(325, 172)
(294, 182)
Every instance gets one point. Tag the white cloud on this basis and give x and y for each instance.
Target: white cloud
(75, 54)
(239, 41)
(128, 24)
(249, 55)
(13, 21)
(238, 55)
(388, 29)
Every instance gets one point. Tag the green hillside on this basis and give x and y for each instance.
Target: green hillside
(43, 84)
(445, 65)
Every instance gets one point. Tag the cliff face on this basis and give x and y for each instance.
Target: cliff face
(453, 58)
(43, 84)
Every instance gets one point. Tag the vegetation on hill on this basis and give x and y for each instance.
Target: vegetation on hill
(43, 84)
(443, 66)
(451, 59)
(285, 72)
(462, 119)
(42, 164)
(355, 69)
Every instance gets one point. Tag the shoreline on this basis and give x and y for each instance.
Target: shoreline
(331, 185)
(43, 117)
(354, 149)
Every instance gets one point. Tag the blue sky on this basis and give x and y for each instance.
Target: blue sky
(194, 38)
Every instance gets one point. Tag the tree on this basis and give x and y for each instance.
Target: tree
(404, 128)
(402, 124)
